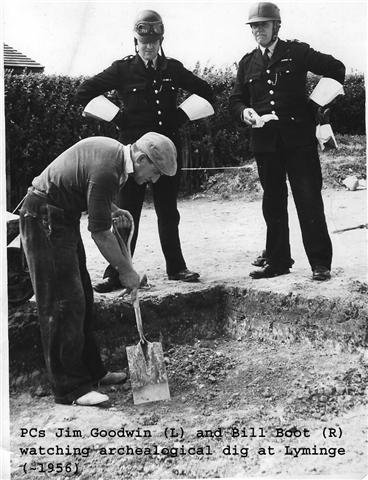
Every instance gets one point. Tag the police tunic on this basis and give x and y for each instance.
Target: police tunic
(287, 148)
(280, 88)
(149, 101)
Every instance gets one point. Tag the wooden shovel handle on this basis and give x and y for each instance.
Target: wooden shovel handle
(138, 318)
(134, 295)
(124, 247)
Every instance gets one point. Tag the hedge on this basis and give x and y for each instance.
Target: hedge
(42, 120)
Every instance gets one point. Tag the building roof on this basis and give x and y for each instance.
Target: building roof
(14, 59)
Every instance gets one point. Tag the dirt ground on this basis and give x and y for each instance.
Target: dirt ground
(225, 386)
(220, 238)
(262, 390)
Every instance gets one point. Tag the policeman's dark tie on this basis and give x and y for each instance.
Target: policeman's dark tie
(266, 58)
(150, 68)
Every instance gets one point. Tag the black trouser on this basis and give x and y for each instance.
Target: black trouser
(64, 296)
(303, 169)
(165, 194)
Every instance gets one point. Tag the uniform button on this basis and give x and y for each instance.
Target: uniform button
(272, 92)
(292, 118)
(157, 101)
(134, 89)
(272, 102)
(159, 112)
(156, 92)
(273, 112)
(160, 123)
(287, 71)
(269, 81)
(268, 71)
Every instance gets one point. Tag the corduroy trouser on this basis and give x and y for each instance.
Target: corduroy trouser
(57, 263)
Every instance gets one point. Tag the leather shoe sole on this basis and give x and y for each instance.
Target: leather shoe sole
(321, 274)
(113, 378)
(261, 260)
(107, 285)
(269, 272)
(185, 276)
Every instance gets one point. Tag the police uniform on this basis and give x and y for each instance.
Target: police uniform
(287, 146)
(149, 99)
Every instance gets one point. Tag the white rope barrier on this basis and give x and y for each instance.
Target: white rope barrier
(216, 168)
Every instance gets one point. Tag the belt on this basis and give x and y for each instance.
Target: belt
(40, 193)
(30, 190)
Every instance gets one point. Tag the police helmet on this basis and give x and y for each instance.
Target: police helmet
(263, 12)
(148, 26)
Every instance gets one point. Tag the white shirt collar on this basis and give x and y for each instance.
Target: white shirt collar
(128, 162)
(271, 48)
(154, 61)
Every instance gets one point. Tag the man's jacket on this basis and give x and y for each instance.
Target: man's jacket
(149, 100)
(280, 88)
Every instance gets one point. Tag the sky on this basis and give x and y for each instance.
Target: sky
(82, 38)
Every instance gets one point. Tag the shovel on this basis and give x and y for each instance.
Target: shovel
(147, 366)
(146, 359)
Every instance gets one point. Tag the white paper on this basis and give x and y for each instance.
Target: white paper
(326, 90)
(324, 134)
(197, 107)
(101, 108)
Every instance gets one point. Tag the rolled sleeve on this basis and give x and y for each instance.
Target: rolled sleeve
(99, 201)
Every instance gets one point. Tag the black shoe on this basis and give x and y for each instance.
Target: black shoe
(321, 273)
(185, 276)
(261, 260)
(269, 271)
(108, 284)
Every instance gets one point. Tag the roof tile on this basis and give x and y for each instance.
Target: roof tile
(13, 58)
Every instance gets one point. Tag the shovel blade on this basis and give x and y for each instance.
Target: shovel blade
(151, 393)
(148, 373)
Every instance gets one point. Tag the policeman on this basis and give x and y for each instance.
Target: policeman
(270, 96)
(147, 85)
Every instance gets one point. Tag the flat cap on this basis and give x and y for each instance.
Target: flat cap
(160, 150)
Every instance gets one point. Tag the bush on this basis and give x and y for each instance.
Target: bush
(42, 120)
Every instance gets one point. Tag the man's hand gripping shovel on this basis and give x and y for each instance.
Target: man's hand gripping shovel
(146, 359)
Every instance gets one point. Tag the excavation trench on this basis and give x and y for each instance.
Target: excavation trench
(205, 314)
(237, 361)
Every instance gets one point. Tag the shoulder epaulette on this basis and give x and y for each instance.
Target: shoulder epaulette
(247, 55)
(128, 57)
(298, 42)
(172, 59)
(294, 40)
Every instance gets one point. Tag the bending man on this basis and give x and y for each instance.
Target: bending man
(86, 177)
